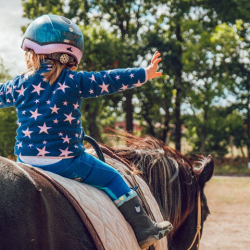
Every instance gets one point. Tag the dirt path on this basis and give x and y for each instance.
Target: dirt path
(228, 226)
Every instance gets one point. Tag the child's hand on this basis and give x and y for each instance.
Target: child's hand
(153, 66)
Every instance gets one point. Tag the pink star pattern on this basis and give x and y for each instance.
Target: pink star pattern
(104, 87)
(21, 91)
(69, 118)
(91, 91)
(27, 132)
(65, 152)
(44, 129)
(71, 76)
(76, 105)
(9, 91)
(35, 114)
(138, 84)
(62, 87)
(42, 151)
(92, 78)
(37, 88)
(124, 87)
(66, 139)
(54, 109)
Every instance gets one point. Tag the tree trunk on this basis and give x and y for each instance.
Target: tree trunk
(203, 140)
(92, 124)
(232, 149)
(248, 121)
(178, 120)
(148, 120)
(166, 127)
(129, 109)
(204, 131)
(178, 84)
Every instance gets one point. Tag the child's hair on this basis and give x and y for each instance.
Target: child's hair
(33, 62)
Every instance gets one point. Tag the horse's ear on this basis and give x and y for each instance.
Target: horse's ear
(207, 171)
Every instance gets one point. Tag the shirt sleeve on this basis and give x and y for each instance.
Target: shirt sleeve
(6, 94)
(108, 82)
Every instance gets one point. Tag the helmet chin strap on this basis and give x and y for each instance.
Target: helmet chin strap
(62, 58)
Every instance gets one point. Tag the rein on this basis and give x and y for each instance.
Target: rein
(198, 227)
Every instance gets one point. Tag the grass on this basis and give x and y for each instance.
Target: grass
(225, 191)
(232, 170)
(237, 167)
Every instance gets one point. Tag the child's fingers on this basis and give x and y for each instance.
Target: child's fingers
(155, 57)
(157, 74)
(157, 61)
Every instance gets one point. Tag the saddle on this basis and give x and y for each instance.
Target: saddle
(104, 221)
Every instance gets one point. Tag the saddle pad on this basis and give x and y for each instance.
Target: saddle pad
(113, 230)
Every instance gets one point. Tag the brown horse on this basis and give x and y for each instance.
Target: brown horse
(35, 215)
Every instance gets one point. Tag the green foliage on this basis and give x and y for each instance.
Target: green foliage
(8, 128)
(221, 124)
(8, 124)
(204, 46)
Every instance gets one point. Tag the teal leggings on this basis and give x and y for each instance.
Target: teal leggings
(90, 170)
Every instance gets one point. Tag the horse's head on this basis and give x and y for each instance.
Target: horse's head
(177, 184)
(191, 228)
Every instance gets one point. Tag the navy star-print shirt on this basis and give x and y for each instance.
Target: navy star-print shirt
(49, 114)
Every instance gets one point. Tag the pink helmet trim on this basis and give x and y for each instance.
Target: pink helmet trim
(53, 48)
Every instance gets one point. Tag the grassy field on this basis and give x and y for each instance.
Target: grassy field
(228, 226)
(237, 167)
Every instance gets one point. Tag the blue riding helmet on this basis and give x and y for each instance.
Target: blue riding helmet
(54, 35)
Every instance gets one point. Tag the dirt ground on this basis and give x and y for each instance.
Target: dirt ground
(228, 226)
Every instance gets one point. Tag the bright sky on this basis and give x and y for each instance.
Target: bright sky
(11, 21)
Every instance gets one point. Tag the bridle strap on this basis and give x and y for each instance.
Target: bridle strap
(198, 227)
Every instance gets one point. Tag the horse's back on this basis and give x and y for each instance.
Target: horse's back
(35, 215)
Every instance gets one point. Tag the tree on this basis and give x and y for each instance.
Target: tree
(223, 123)
(8, 124)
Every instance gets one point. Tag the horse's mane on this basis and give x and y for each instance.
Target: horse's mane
(169, 173)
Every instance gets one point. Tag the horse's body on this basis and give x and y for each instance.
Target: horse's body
(35, 215)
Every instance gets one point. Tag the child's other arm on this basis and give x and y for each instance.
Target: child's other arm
(6, 94)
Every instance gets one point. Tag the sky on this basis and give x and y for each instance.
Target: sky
(11, 21)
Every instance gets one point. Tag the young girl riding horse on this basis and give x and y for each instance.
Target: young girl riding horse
(48, 97)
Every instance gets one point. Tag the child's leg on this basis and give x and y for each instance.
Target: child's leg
(106, 178)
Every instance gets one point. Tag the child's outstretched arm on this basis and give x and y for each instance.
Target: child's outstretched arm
(152, 68)
(108, 82)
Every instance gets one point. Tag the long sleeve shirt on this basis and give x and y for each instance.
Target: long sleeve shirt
(49, 114)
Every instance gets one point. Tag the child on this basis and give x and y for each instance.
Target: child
(48, 98)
